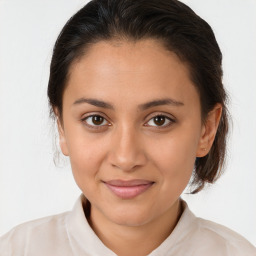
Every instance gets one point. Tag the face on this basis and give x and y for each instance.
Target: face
(132, 129)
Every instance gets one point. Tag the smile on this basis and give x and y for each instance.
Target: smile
(128, 189)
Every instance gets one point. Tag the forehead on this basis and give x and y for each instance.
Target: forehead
(134, 56)
(143, 68)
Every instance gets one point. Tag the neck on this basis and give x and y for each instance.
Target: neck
(122, 239)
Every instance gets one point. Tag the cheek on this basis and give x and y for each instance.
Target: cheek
(174, 157)
(86, 156)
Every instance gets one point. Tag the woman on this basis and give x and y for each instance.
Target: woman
(136, 90)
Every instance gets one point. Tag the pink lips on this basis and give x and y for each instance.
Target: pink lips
(128, 189)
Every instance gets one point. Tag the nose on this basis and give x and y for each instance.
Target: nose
(127, 152)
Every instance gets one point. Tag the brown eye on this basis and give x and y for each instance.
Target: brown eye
(160, 121)
(95, 120)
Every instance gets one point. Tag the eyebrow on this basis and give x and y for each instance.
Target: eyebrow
(144, 106)
(160, 102)
(94, 102)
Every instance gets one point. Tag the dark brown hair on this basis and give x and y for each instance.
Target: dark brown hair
(178, 28)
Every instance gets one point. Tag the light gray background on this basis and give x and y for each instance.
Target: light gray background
(32, 187)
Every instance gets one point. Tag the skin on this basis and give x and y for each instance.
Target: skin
(128, 143)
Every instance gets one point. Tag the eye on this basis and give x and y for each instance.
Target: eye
(160, 121)
(95, 120)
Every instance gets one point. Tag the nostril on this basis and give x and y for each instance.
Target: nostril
(126, 152)
(125, 166)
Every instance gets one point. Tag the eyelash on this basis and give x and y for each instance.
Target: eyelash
(97, 127)
(167, 118)
(93, 126)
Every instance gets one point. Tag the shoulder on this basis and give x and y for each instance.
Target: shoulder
(222, 239)
(43, 231)
(205, 237)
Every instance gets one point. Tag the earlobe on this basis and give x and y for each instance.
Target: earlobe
(62, 138)
(209, 131)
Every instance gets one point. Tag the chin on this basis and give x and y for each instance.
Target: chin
(130, 217)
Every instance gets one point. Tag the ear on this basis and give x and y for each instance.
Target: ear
(62, 138)
(209, 130)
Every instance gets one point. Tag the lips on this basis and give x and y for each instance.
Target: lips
(128, 189)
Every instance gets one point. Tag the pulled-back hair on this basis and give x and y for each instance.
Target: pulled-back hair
(178, 28)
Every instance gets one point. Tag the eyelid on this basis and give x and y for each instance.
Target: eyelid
(149, 117)
(167, 116)
(83, 119)
(98, 113)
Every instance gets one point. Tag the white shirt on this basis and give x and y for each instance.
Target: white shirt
(69, 234)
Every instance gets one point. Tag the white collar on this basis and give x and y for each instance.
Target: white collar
(84, 240)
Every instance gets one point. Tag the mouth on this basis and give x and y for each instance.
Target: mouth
(128, 189)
